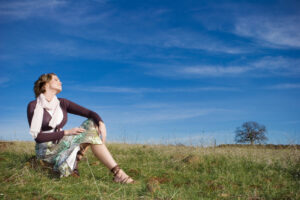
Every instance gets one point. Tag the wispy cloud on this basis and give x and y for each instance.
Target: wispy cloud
(71, 48)
(3, 80)
(263, 24)
(141, 114)
(79, 19)
(109, 89)
(213, 70)
(184, 71)
(23, 9)
(262, 67)
(273, 31)
(161, 38)
(280, 66)
(284, 86)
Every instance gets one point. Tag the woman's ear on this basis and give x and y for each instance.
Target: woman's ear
(46, 87)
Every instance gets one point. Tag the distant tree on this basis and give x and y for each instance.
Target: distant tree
(251, 132)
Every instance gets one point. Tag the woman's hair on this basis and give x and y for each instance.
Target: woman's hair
(39, 85)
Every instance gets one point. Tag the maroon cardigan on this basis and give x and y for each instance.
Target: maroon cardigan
(67, 107)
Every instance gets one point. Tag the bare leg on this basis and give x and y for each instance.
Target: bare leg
(102, 153)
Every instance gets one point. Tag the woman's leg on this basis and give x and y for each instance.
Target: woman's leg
(102, 153)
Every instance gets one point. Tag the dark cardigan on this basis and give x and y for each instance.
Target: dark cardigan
(67, 107)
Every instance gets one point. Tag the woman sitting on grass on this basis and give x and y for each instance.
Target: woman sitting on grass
(64, 148)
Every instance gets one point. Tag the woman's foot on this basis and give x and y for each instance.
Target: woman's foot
(120, 176)
(75, 173)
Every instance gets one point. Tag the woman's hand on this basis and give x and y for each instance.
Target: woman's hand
(102, 131)
(74, 131)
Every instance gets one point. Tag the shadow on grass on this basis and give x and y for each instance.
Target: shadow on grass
(42, 166)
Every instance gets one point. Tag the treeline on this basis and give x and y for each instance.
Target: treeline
(262, 146)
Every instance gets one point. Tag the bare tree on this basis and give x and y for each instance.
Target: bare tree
(250, 132)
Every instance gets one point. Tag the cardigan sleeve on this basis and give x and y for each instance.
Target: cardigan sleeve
(42, 137)
(76, 109)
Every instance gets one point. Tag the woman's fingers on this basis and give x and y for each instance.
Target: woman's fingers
(77, 131)
(74, 131)
(81, 130)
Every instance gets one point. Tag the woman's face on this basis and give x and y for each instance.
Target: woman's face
(54, 84)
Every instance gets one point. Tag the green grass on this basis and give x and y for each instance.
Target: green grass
(161, 172)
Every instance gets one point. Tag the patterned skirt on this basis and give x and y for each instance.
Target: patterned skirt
(63, 154)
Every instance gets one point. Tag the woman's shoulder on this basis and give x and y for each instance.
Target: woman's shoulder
(63, 102)
(32, 103)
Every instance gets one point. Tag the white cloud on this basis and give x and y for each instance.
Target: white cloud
(104, 24)
(272, 25)
(212, 70)
(181, 38)
(66, 13)
(262, 67)
(183, 71)
(159, 38)
(277, 66)
(132, 114)
(72, 49)
(25, 9)
(285, 86)
(273, 31)
(109, 89)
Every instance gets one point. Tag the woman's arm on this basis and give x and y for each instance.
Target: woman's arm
(42, 137)
(79, 110)
(84, 112)
(47, 137)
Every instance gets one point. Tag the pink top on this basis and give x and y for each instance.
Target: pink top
(67, 107)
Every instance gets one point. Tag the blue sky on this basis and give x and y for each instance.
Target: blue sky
(157, 71)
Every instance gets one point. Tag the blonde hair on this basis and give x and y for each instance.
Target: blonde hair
(39, 85)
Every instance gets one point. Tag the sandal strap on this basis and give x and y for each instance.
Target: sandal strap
(79, 155)
(75, 173)
(115, 170)
(125, 179)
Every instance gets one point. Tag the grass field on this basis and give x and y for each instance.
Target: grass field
(161, 172)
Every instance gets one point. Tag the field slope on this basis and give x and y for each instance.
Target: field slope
(161, 172)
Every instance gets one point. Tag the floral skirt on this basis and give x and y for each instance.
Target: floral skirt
(63, 154)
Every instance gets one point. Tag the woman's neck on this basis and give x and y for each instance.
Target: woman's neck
(49, 95)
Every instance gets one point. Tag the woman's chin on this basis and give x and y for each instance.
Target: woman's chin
(58, 90)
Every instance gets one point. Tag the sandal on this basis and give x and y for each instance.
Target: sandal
(75, 173)
(81, 152)
(79, 156)
(121, 179)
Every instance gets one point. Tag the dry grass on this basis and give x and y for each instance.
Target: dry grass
(162, 172)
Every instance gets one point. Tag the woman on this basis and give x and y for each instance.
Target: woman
(64, 148)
